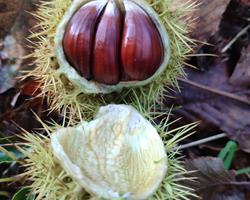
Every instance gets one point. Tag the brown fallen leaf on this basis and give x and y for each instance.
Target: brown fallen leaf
(209, 95)
(16, 21)
(209, 17)
(9, 11)
(22, 116)
(227, 111)
(245, 2)
(213, 181)
(31, 88)
(13, 59)
(241, 74)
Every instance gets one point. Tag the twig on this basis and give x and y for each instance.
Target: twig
(202, 141)
(234, 183)
(243, 31)
(215, 91)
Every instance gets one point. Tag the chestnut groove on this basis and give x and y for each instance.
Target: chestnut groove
(79, 37)
(107, 44)
(106, 48)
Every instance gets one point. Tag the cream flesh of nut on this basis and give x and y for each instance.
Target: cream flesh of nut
(118, 154)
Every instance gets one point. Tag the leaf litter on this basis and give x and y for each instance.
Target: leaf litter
(216, 93)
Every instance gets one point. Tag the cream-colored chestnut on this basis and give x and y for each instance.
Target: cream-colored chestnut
(118, 154)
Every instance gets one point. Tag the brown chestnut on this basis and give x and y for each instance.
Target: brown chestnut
(79, 37)
(142, 48)
(105, 45)
(106, 65)
(109, 42)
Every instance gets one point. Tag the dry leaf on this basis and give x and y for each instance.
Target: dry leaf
(13, 54)
(241, 74)
(209, 17)
(213, 181)
(9, 10)
(245, 2)
(209, 95)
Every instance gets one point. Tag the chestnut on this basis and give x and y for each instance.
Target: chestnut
(112, 44)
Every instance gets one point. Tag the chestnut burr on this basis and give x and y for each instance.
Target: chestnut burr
(113, 41)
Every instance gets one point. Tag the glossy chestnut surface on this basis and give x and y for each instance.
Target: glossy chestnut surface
(142, 49)
(79, 37)
(108, 42)
(106, 66)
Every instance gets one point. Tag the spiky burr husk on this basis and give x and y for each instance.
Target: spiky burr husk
(65, 97)
(50, 181)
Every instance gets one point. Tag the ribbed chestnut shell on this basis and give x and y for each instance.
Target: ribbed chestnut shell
(110, 42)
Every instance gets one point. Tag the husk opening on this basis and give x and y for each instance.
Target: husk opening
(50, 181)
(65, 97)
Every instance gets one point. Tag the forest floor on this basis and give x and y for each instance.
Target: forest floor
(216, 94)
